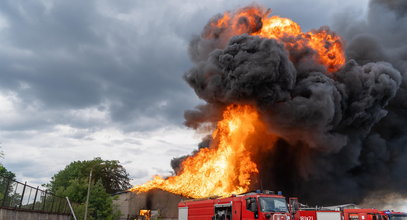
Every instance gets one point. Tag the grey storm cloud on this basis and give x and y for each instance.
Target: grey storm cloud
(74, 56)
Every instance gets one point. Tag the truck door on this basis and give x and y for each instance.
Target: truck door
(237, 210)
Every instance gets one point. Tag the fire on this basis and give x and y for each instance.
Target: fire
(146, 213)
(328, 47)
(226, 167)
(276, 27)
(256, 21)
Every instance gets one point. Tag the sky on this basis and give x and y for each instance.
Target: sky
(98, 78)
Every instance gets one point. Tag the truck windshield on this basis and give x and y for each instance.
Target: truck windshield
(398, 217)
(270, 204)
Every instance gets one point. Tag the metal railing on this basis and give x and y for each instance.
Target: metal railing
(20, 196)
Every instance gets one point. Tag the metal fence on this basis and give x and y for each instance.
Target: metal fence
(17, 195)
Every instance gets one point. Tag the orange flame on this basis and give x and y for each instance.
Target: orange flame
(146, 213)
(226, 167)
(328, 47)
(255, 21)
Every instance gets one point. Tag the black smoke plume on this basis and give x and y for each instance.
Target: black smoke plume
(342, 135)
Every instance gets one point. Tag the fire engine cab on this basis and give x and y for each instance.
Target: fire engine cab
(255, 205)
(392, 215)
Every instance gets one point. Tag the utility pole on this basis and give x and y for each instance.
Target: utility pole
(87, 196)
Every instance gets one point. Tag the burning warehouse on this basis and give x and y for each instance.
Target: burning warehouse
(314, 114)
(150, 205)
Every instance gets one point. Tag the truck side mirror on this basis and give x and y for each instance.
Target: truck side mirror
(294, 205)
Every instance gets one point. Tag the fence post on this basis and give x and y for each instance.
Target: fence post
(59, 205)
(45, 200)
(13, 201)
(6, 192)
(22, 195)
(35, 198)
(65, 206)
(52, 204)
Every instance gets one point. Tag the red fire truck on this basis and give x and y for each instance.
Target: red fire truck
(362, 214)
(255, 205)
(317, 215)
(372, 214)
(351, 214)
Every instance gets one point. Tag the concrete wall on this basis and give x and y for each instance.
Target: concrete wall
(6, 214)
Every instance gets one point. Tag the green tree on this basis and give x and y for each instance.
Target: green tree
(107, 177)
(100, 203)
(5, 177)
(5, 173)
(5, 186)
(112, 174)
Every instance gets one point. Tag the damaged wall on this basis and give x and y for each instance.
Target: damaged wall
(165, 203)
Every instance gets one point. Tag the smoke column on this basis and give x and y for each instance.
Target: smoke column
(342, 133)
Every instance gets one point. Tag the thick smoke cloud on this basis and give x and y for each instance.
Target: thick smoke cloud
(249, 69)
(342, 134)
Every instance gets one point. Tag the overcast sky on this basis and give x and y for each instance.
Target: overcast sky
(84, 79)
